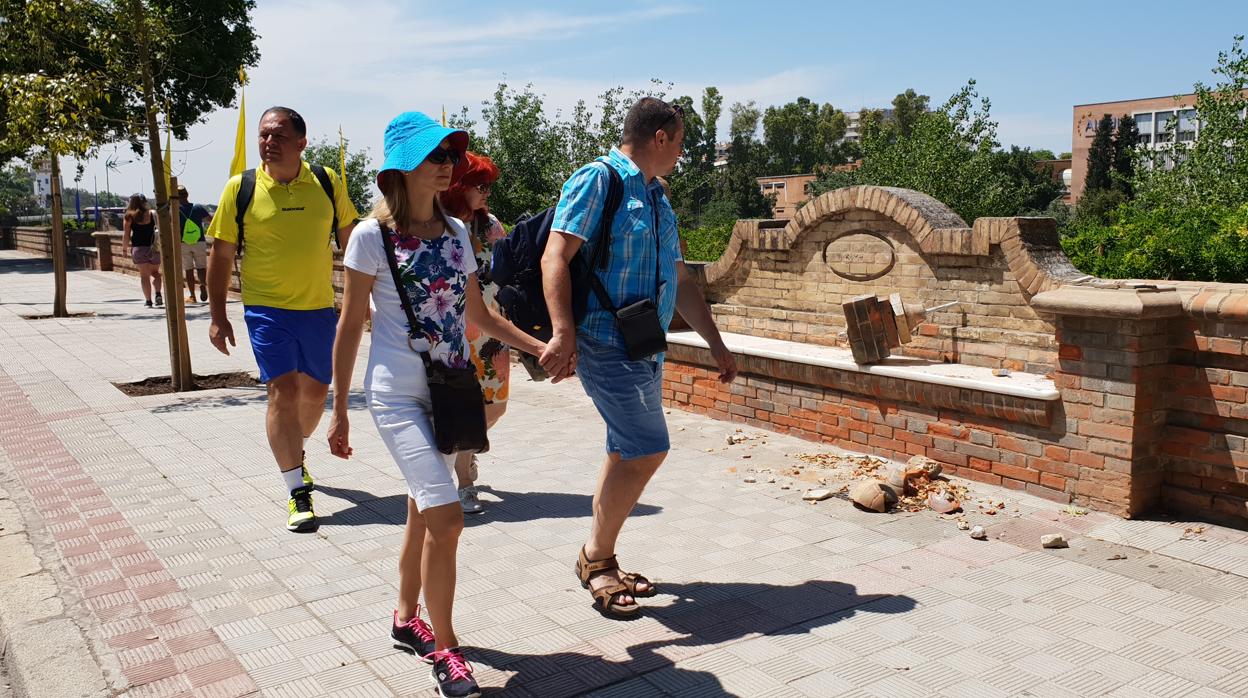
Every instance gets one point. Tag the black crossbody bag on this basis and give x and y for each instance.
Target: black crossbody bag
(638, 322)
(455, 393)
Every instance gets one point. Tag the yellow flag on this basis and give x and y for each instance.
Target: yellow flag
(342, 158)
(239, 163)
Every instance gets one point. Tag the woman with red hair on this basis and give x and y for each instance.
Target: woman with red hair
(466, 199)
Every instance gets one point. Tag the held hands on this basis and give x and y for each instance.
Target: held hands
(339, 431)
(219, 332)
(559, 358)
(727, 363)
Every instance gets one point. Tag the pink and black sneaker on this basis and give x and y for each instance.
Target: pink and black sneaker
(414, 636)
(453, 674)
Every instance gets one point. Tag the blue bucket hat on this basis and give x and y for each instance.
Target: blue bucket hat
(411, 136)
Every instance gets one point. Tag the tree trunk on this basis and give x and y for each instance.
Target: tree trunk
(170, 254)
(59, 251)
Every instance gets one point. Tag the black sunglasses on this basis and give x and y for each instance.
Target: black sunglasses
(677, 111)
(439, 156)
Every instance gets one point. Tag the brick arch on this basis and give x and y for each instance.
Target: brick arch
(1030, 245)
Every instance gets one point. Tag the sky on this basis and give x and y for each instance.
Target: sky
(357, 64)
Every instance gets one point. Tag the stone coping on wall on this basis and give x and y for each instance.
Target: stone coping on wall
(1024, 385)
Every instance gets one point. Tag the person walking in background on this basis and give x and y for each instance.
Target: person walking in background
(467, 200)
(287, 214)
(138, 241)
(194, 220)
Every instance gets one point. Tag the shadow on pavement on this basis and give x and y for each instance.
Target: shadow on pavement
(706, 614)
(250, 396)
(516, 507)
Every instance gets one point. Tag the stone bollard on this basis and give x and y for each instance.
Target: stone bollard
(104, 244)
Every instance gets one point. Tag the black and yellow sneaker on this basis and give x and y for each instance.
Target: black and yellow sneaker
(301, 518)
(303, 468)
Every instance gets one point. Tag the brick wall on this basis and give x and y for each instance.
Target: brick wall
(38, 241)
(1153, 376)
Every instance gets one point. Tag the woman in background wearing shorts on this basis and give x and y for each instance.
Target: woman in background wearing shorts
(138, 241)
(438, 273)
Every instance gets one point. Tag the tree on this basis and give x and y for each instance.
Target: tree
(528, 149)
(907, 108)
(737, 194)
(1189, 217)
(1125, 140)
(692, 185)
(1100, 157)
(949, 154)
(158, 64)
(1064, 155)
(360, 177)
(801, 136)
(1044, 154)
(17, 196)
(52, 99)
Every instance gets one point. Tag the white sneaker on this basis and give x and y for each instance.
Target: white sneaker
(469, 500)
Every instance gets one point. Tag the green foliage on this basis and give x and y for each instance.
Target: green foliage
(360, 176)
(707, 243)
(908, 107)
(1044, 154)
(1205, 243)
(17, 196)
(801, 136)
(950, 154)
(530, 151)
(1100, 156)
(692, 186)
(1189, 217)
(1099, 206)
(1065, 155)
(1125, 142)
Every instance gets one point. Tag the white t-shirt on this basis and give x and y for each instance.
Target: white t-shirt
(438, 272)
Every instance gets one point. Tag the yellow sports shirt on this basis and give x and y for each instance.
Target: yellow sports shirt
(288, 258)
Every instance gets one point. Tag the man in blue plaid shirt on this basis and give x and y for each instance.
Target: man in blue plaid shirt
(644, 263)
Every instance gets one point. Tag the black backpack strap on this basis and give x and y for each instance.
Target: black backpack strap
(328, 185)
(399, 288)
(602, 254)
(242, 201)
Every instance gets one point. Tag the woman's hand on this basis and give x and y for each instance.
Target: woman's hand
(339, 435)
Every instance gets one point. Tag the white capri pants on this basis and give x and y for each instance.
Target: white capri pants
(407, 430)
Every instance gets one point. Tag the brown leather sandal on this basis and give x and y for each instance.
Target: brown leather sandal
(607, 598)
(632, 580)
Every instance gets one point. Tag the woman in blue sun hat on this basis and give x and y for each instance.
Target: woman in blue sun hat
(437, 270)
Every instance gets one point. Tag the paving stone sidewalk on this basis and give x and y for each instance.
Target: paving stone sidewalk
(160, 522)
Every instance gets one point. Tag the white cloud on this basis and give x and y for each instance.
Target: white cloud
(360, 63)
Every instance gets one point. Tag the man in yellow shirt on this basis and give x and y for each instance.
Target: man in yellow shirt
(288, 298)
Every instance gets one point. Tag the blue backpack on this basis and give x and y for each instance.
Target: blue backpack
(517, 266)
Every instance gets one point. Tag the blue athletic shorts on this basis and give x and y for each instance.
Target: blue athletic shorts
(292, 340)
(628, 395)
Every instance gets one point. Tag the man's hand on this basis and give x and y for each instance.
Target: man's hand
(219, 332)
(727, 363)
(559, 359)
(339, 435)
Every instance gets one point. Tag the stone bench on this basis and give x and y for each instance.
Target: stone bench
(1018, 397)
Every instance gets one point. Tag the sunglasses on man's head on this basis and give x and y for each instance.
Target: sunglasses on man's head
(439, 156)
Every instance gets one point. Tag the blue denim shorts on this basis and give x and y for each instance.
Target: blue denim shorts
(628, 395)
(292, 340)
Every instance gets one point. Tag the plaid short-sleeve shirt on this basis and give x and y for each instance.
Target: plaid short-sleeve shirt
(644, 213)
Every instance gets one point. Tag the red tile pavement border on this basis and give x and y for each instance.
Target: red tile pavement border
(165, 649)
